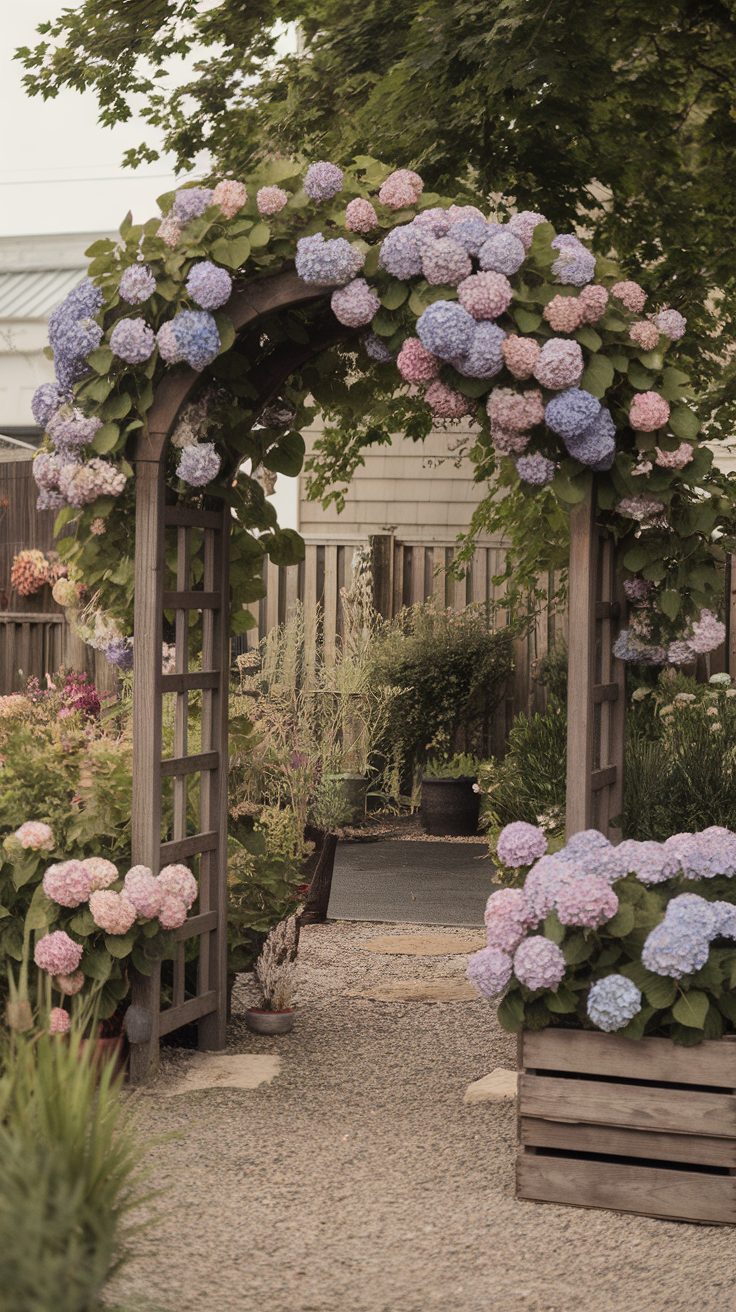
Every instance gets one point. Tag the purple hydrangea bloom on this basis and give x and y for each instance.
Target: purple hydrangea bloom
(649, 861)
(49, 499)
(209, 285)
(502, 252)
(575, 264)
(680, 653)
(70, 429)
(191, 202)
(435, 221)
(132, 340)
(543, 883)
(44, 402)
(446, 329)
(401, 251)
(198, 464)
(674, 949)
(470, 233)
(445, 262)
(376, 349)
(519, 844)
(586, 840)
(322, 180)
(570, 413)
(587, 901)
(605, 862)
(627, 647)
(596, 445)
(613, 1002)
(137, 284)
(119, 653)
(695, 912)
(725, 919)
(82, 482)
(191, 336)
(637, 589)
(73, 332)
(539, 963)
(327, 263)
(535, 469)
(703, 856)
(485, 358)
(489, 971)
(523, 224)
(46, 469)
(355, 305)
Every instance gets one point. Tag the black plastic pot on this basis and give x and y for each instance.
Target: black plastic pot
(449, 807)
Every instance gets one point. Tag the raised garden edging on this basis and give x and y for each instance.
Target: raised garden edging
(641, 1126)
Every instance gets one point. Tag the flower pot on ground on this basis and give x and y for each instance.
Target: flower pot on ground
(275, 972)
(354, 791)
(450, 804)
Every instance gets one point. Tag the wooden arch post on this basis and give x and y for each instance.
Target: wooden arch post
(596, 689)
(165, 530)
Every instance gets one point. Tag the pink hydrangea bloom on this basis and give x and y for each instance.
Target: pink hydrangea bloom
(402, 187)
(143, 891)
(707, 633)
(489, 971)
(271, 200)
(485, 295)
(230, 196)
(172, 912)
(593, 301)
(100, 872)
(560, 364)
(59, 1021)
(70, 985)
(649, 411)
(523, 224)
(539, 963)
(446, 403)
(415, 363)
(670, 323)
(642, 509)
(445, 261)
(515, 410)
(645, 334)
(563, 314)
(543, 883)
(169, 230)
(112, 911)
(506, 919)
(355, 305)
(520, 355)
(508, 443)
(360, 215)
(180, 881)
(67, 884)
(57, 953)
(589, 901)
(677, 459)
(630, 294)
(519, 844)
(35, 836)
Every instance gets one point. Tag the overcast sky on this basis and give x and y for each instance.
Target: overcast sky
(60, 170)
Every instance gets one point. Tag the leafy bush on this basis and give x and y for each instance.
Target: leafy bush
(460, 766)
(529, 782)
(69, 1174)
(451, 669)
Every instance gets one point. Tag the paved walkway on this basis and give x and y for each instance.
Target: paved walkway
(357, 1180)
(419, 883)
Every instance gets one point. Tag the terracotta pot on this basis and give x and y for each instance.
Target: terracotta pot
(262, 1021)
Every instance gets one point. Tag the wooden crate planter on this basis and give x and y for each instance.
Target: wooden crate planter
(645, 1127)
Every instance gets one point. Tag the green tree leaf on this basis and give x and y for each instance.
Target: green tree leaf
(691, 1009)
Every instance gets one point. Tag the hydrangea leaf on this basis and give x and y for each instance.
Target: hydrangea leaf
(40, 912)
(588, 336)
(511, 1013)
(640, 378)
(577, 948)
(287, 457)
(598, 376)
(101, 359)
(106, 438)
(669, 603)
(119, 945)
(260, 235)
(622, 923)
(395, 294)
(684, 423)
(96, 964)
(526, 319)
(562, 1002)
(691, 1009)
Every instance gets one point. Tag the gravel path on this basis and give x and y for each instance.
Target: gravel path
(357, 1181)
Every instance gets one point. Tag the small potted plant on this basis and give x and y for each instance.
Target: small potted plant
(450, 803)
(275, 972)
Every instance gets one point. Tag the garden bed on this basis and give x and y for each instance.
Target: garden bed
(634, 1126)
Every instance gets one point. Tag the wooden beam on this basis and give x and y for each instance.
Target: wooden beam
(583, 547)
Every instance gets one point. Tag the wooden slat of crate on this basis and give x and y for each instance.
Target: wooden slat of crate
(711, 1063)
(648, 1190)
(602, 1102)
(617, 1141)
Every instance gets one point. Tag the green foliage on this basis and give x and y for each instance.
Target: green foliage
(70, 1174)
(460, 766)
(262, 891)
(528, 783)
(451, 668)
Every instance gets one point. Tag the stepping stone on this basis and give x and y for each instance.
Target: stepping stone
(424, 945)
(498, 1086)
(452, 989)
(219, 1071)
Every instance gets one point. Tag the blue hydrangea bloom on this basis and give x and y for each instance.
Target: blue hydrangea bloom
(45, 400)
(586, 840)
(484, 359)
(209, 285)
(675, 948)
(376, 349)
(132, 340)
(596, 445)
(575, 264)
(191, 336)
(119, 653)
(191, 202)
(446, 329)
(323, 180)
(327, 263)
(471, 233)
(535, 469)
(73, 332)
(695, 912)
(502, 252)
(570, 412)
(725, 913)
(613, 1002)
(137, 284)
(401, 251)
(198, 464)
(627, 647)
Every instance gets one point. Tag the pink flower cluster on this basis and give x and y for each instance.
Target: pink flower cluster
(360, 215)
(588, 901)
(57, 953)
(648, 412)
(230, 196)
(271, 200)
(67, 883)
(446, 403)
(355, 305)
(35, 836)
(593, 301)
(401, 188)
(519, 844)
(630, 294)
(645, 334)
(563, 314)
(485, 295)
(520, 355)
(415, 363)
(560, 364)
(112, 911)
(506, 919)
(515, 410)
(539, 963)
(677, 459)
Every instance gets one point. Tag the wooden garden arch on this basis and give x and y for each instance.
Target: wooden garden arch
(163, 528)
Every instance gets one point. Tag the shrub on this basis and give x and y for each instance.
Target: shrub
(451, 669)
(529, 782)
